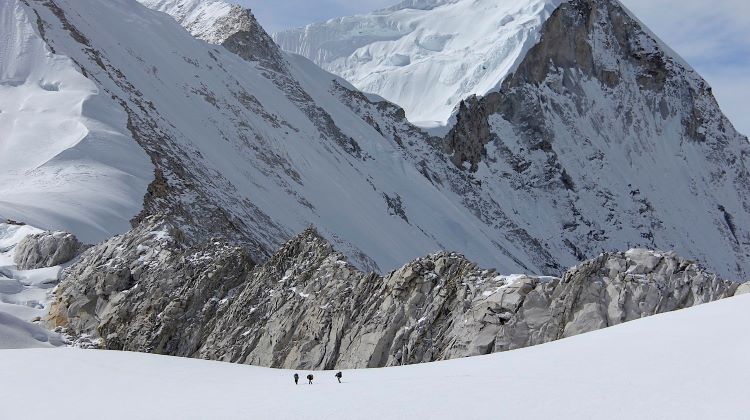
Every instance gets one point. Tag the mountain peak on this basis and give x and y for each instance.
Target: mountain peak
(593, 110)
(202, 17)
(222, 23)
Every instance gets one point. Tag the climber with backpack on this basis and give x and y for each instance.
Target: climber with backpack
(309, 378)
(338, 376)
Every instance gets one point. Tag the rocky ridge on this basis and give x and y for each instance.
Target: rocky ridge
(221, 23)
(307, 307)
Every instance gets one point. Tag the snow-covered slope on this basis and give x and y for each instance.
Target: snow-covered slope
(690, 364)
(68, 159)
(425, 55)
(16, 333)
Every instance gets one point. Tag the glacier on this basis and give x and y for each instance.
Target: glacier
(425, 56)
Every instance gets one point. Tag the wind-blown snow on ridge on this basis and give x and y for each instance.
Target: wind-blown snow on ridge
(68, 160)
(651, 368)
(425, 56)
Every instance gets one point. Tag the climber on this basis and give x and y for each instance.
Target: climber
(338, 376)
(310, 378)
(296, 379)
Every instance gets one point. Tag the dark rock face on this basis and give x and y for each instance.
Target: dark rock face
(308, 308)
(465, 143)
(587, 39)
(46, 249)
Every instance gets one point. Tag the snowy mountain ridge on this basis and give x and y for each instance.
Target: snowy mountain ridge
(253, 145)
(259, 148)
(599, 112)
(416, 4)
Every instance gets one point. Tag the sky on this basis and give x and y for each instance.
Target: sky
(712, 35)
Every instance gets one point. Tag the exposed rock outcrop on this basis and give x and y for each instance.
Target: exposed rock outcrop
(307, 307)
(223, 23)
(46, 249)
(147, 290)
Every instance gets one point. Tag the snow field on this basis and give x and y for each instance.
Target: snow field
(690, 364)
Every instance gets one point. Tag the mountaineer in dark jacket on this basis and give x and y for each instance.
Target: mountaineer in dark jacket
(296, 379)
(309, 378)
(338, 376)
